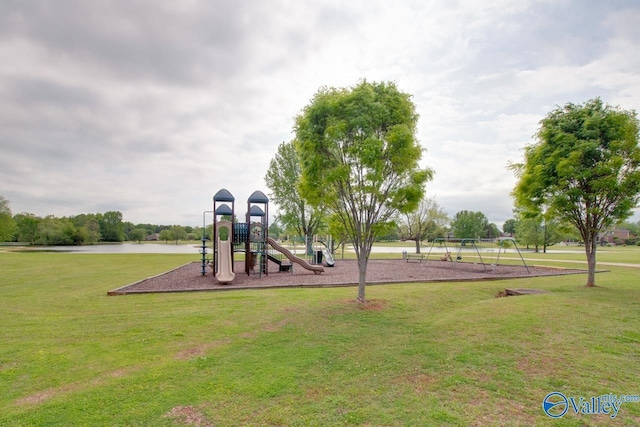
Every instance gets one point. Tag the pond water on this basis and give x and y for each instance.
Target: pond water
(124, 248)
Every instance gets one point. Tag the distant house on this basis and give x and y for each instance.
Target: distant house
(152, 237)
(619, 234)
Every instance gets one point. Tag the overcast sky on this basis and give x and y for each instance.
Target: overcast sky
(151, 107)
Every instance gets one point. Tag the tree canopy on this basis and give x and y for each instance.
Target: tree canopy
(538, 231)
(283, 178)
(111, 226)
(509, 226)
(137, 234)
(7, 223)
(87, 229)
(584, 168)
(469, 225)
(360, 157)
(426, 222)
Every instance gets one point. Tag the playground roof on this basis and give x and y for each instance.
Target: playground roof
(256, 211)
(258, 197)
(223, 209)
(223, 196)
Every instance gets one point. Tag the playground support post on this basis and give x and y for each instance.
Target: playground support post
(510, 239)
(203, 250)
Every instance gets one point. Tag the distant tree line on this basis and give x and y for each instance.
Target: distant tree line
(85, 229)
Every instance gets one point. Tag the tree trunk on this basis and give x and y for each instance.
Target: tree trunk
(417, 245)
(309, 243)
(362, 277)
(590, 246)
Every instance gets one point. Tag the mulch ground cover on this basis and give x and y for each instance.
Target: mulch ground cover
(189, 277)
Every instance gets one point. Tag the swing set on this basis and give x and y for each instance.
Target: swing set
(503, 244)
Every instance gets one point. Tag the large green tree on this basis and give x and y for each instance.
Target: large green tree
(509, 226)
(177, 232)
(360, 157)
(59, 231)
(538, 231)
(491, 231)
(137, 234)
(283, 179)
(111, 226)
(469, 224)
(584, 169)
(90, 226)
(7, 224)
(428, 221)
(27, 227)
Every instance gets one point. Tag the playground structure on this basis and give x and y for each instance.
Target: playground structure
(286, 252)
(224, 265)
(250, 237)
(502, 245)
(321, 250)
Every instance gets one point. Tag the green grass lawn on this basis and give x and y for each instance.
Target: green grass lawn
(417, 354)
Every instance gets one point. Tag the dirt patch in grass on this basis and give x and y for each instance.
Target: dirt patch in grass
(510, 412)
(44, 395)
(39, 397)
(200, 350)
(419, 381)
(536, 365)
(274, 327)
(370, 304)
(188, 415)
